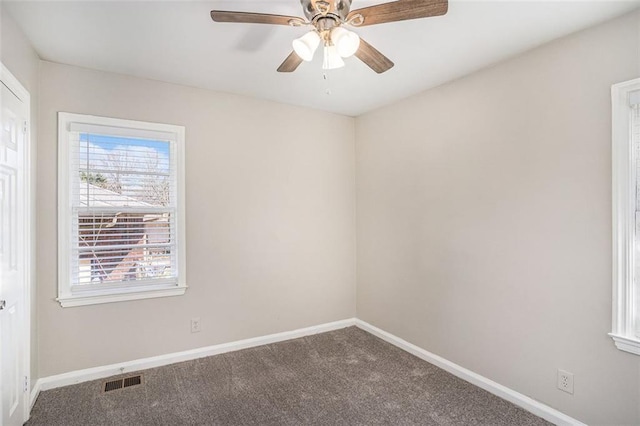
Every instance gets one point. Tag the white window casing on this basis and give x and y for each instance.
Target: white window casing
(626, 215)
(121, 210)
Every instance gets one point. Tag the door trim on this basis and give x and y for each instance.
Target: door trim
(14, 85)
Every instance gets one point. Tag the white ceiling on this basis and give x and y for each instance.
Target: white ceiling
(177, 42)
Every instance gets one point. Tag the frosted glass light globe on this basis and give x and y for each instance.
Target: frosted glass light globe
(332, 59)
(306, 45)
(347, 42)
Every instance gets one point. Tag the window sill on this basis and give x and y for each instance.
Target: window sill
(626, 344)
(95, 299)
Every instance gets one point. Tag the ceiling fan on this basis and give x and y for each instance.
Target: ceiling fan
(329, 19)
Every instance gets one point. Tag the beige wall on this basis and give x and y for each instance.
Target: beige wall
(270, 221)
(484, 222)
(17, 54)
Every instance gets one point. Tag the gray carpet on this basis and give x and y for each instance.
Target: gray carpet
(344, 377)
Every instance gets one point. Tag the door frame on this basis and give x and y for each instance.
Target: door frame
(14, 85)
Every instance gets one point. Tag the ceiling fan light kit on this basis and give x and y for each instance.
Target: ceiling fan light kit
(328, 18)
(338, 43)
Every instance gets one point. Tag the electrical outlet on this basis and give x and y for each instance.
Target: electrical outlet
(565, 381)
(195, 325)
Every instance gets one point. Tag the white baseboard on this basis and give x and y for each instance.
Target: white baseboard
(539, 409)
(34, 394)
(529, 404)
(95, 373)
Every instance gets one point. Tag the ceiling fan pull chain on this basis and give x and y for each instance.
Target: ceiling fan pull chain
(327, 87)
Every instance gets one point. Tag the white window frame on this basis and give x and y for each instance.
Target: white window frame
(66, 295)
(624, 206)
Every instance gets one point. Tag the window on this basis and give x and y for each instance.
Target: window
(626, 216)
(120, 210)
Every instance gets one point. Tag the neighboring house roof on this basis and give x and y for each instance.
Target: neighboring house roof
(94, 196)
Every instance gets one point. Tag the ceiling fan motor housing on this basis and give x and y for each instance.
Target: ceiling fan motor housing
(313, 9)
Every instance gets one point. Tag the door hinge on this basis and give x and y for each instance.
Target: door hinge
(26, 384)
(24, 127)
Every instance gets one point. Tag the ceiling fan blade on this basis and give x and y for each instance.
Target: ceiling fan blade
(400, 10)
(253, 18)
(373, 58)
(291, 63)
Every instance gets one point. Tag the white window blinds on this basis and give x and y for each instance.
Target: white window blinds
(123, 205)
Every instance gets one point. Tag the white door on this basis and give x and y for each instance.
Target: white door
(13, 274)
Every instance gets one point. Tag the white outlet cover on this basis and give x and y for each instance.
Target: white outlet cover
(195, 325)
(565, 381)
